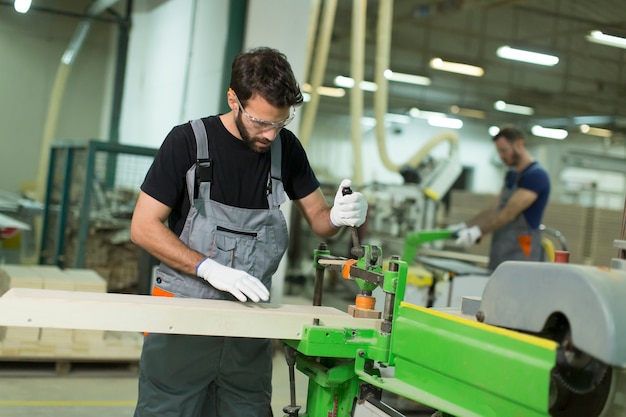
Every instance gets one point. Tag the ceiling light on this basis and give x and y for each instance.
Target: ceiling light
(22, 6)
(515, 54)
(347, 82)
(445, 122)
(596, 131)
(598, 36)
(331, 91)
(406, 78)
(424, 114)
(513, 108)
(325, 91)
(476, 114)
(493, 130)
(550, 133)
(457, 67)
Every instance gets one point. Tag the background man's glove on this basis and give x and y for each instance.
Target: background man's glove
(468, 236)
(349, 209)
(457, 226)
(238, 283)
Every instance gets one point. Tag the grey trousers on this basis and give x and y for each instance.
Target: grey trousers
(204, 376)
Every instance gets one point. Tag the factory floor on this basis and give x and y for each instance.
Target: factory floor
(101, 392)
(112, 393)
(96, 391)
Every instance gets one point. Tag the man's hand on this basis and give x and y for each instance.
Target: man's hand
(468, 236)
(348, 209)
(238, 283)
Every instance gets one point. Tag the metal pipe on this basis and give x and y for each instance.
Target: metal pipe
(390, 300)
(190, 49)
(118, 90)
(237, 15)
(290, 356)
(99, 6)
(319, 283)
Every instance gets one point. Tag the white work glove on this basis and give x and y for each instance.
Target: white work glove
(468, 236)
(457, 226)
(238, 283)
(349, 209)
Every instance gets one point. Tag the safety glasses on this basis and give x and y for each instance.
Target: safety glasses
(264, 124)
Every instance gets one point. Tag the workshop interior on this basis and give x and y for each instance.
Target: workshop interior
(392, 318)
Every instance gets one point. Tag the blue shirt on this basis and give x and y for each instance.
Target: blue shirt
(534, 178)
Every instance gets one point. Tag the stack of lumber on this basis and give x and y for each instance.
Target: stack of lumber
(67, 344)
(110, 253)
(605, 229)
(572, 221)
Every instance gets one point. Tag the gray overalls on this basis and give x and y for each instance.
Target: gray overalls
(193, 376)
(516, 241)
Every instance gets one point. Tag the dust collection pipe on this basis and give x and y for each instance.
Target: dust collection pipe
(310, 42)
(383, 47)
(58, 88)
(357, 63)
(317, 75)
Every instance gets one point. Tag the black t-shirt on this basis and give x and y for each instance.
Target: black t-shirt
(239, 173)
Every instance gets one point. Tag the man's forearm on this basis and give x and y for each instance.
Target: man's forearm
(483, 219)
(162, 243)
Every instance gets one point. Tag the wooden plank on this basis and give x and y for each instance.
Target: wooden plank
(141, 313)
(459, 256)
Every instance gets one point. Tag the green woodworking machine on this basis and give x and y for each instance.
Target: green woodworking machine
(545, 339)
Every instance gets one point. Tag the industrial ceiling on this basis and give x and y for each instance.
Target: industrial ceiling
(586, 86)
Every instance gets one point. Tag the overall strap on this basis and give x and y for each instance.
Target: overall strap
(202, 171)
(275, 188)
(202, 141)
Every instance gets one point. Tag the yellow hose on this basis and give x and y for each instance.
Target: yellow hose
(317, 75)
(383, 48)
(357, 63)
(310, 42)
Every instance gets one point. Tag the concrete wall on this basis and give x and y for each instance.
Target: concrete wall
(31, 46)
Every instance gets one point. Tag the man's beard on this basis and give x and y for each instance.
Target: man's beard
(249, 140)
(514, 159)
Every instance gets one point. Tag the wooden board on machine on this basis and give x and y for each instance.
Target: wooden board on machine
(59, 309)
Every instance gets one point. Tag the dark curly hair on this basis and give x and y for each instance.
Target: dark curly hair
(265, 71)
